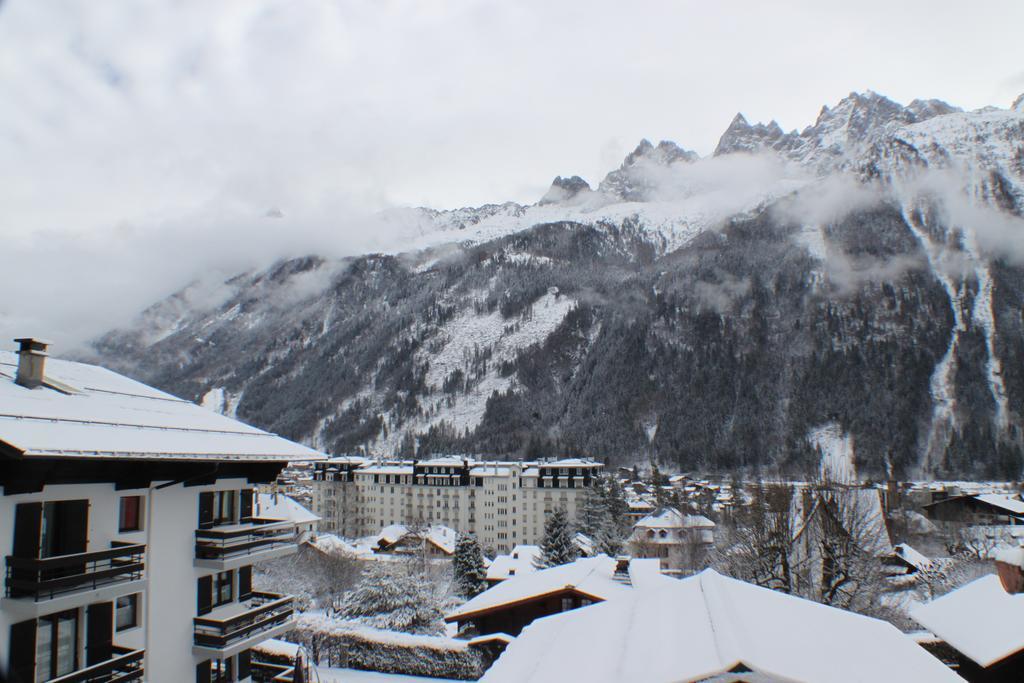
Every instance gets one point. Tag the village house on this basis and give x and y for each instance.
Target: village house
(709, 627)
(128, 518)
(982, 621)
(435, 541)
(517, 601)
(679, 542)
(522, 560)
(286, 509)
(983, 509)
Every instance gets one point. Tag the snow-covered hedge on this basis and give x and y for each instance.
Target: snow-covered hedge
(345, 644)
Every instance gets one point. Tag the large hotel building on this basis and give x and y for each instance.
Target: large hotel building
(503, 503)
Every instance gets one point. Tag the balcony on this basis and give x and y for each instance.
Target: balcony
(233, 545)
(124, 665)
(266, 672)
(41, 579)
(239, 625)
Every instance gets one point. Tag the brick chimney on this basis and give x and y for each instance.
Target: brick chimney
(1010, 567)
(31, 361)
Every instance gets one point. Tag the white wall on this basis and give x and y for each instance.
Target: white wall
(168, 605)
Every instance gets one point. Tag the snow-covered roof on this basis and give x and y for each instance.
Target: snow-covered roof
(592, 576)
(490, 471)
(278, 648)
(349, 460)
(1013, 506)
(446, 460)
(705, 626)
(97, 413)
(443, 537)
(1013, 555)
(385, 469)
(981, 620)
(280, 506)
(391, 534)
(584, 544)
(332, 544)
(518, 562)
(670, 518)
(911, 556)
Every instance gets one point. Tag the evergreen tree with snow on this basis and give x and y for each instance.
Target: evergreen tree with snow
(603, 515)
(468, 565)
(558, 546)
(392, 596)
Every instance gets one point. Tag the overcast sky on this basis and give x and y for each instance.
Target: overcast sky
(159, 132)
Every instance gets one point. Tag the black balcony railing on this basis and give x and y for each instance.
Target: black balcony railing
(45, 578)
(250, 537)
(124, 665)
(263, 612)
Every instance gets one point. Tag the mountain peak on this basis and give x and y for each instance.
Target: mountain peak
(629, 181)
(1018, 104)
(563, 189)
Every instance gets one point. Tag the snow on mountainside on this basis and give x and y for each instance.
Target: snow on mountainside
(864, 274)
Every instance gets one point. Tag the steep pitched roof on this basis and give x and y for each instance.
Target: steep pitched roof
(95, 413)
(703, 628)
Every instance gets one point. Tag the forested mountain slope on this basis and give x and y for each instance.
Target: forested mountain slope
(710, 313)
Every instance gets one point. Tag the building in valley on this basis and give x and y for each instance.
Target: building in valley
(127, 520)
(679, 541)
(503, 503)
(517, 601)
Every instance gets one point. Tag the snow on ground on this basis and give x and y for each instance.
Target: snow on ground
(837, 455)
(330, 675)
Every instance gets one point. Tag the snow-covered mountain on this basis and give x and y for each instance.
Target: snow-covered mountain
(863, 275)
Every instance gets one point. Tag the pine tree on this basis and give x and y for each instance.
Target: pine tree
(393, 597)
(468, 565)
(557, 547)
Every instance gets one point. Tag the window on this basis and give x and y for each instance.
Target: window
(222, 588)
(127, 612)
(129, 517)
(224, 507)
(56, 645)
(566, 604)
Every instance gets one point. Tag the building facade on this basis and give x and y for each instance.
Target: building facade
(128, 525)
(503, 503)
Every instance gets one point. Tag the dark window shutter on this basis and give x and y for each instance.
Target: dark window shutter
(27, 522)
(206, 510)
(27, 519)
(22, 665)
(203, 672)
(244, 664)
(73, 522)
(245, 582)
(99, 638)
(247, 496)
(204, 594)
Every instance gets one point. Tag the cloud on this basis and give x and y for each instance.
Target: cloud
(142, 143)
(720, 296)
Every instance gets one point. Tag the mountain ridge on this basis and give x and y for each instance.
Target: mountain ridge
(836, 275)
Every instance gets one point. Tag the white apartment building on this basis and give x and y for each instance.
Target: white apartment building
(126, 519)
(503, 503)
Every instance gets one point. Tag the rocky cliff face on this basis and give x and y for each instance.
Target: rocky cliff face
(865, 273)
